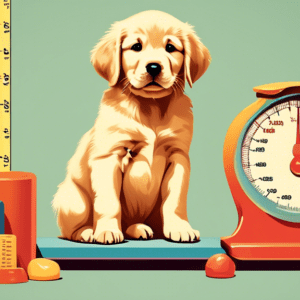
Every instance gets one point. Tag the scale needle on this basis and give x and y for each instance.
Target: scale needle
(295, 163)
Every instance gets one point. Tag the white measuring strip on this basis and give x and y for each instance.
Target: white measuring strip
(5, 86)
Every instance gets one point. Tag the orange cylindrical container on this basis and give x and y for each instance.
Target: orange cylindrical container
(18, 193)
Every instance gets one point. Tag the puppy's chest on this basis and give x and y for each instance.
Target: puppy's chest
(148, 152)
(159, 140)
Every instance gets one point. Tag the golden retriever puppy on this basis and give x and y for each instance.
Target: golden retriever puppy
(129, 176)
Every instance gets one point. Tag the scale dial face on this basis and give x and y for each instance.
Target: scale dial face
(270, 155)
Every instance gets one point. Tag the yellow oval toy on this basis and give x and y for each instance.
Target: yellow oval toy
(43, 269)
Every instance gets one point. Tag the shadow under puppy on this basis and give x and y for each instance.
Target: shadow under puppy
(130, 173)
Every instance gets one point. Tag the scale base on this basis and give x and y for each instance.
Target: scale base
(262, 251)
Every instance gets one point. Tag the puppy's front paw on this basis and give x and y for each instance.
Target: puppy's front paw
(179, 230)
(137, 231)
(111, 236)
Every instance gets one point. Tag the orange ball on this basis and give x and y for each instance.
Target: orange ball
(43, 269)
(220, 266)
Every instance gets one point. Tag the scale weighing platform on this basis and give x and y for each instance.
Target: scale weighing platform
(153, 254)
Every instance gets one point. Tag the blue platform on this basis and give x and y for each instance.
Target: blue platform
(55, 248)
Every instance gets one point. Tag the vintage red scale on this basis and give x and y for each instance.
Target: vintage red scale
(262, 165)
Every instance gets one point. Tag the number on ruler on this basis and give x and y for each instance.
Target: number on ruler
(6, 131)
(6, 27)
(5, 79)
(5, 160)
(6, 3)
(5, 106)
(6, 52)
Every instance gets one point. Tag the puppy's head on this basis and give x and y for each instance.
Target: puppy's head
(151, 54)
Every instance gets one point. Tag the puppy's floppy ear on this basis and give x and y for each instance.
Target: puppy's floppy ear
(106, 55)
(197, 58)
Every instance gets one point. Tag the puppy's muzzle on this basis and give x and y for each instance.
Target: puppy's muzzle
(153, 69)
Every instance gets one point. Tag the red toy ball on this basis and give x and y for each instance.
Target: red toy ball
(220, 266)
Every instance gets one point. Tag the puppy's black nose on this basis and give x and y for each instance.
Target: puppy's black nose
(153, 69)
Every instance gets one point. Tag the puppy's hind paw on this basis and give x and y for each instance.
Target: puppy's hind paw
(84, 234)
(87, 235)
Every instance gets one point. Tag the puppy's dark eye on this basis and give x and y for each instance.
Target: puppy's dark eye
(137, 47)
(170, 48)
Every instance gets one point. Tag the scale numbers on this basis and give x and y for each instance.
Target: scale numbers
(268, 150)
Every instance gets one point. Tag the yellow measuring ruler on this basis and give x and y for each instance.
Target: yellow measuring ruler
(5, 86)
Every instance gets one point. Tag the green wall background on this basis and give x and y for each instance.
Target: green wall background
(251, 43)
